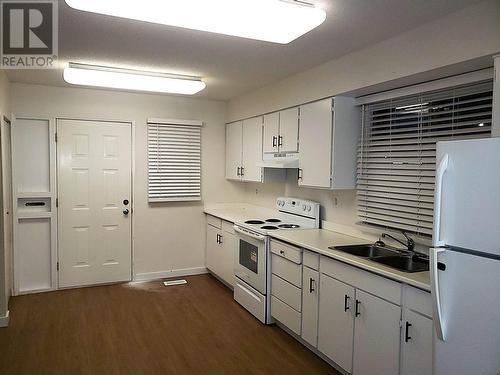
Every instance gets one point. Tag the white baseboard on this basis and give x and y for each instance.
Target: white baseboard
(150, 276)
(4, 320)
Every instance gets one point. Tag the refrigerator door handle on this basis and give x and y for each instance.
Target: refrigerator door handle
(436, 234)
(436, 298)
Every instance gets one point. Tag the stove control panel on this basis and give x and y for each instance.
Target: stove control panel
(298, 207)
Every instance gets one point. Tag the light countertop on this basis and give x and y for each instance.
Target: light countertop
(319, 241)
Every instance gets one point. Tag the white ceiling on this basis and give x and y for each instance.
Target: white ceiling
(231, 66)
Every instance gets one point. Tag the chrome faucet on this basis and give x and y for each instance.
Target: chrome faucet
(410, 244)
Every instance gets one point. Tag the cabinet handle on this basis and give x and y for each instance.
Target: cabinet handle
(280, 140)
(274, 141)
(221, 238)
(407, 328)
(242, 173)
(357, 313)
(300, 173)
(217, 240)
(312, 282)
(346, 303)
(238, 171)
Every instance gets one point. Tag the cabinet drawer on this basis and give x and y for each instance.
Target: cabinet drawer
(311, 260)
(418, 300)
(214, 221)
(367, 281)
(287, 270)
(285, 315)
(287, 292)
(293, 254)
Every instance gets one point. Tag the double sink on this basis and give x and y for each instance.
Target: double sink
(394, 258)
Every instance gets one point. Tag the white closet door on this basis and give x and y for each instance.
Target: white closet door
(94, 176)
(252, 149)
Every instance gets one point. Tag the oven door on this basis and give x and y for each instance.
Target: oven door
(251, 262)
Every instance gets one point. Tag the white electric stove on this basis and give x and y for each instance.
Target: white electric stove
(253, 270)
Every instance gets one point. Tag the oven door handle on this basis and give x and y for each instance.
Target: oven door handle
(249, 234)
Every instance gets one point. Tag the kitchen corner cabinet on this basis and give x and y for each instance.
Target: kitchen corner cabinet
(244, 150)
(221, 245)
(281, 131)
(328, 142)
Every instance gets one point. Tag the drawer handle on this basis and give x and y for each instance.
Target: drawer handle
(346, 303)
(407, 329)
(312, 284)
(282, 252)
(357, 313)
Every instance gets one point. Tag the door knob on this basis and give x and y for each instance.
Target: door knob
(126, 211)
(125, 202)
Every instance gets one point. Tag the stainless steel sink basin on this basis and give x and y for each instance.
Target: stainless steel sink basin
(366, 251)
(405, 263)
(387, 256)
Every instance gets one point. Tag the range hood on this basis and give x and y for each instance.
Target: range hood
(280, 161)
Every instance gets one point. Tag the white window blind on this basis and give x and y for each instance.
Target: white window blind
(397, 156)
(174, 160)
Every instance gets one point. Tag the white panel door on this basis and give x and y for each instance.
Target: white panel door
(94, 180)
(310, 294)
(271, 132)
(252, 149)
(416, 342)
(289, 130)
(336, 321)
(376, 336)
(316, 144)
(233, 150)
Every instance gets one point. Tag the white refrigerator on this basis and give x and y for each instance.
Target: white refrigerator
(465, 258)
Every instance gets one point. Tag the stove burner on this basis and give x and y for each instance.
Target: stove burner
(254, 222)
(273, 221)
(269, 227)
(289, 226)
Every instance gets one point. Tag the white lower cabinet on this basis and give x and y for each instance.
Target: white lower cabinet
(376, 336)
(310, 301)
(336, 321)
(221, 245)
(416, 344)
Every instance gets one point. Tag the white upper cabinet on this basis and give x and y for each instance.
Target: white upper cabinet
(281, 131)
(252, 150)
(271, 131)
(244, 150)
(329, 135)
(234, 136)
(288, 139)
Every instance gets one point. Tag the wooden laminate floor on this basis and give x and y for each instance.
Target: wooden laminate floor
(146, 328)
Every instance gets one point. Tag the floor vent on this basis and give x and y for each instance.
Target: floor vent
(174, 282)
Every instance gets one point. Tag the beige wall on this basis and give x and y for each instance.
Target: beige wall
(471, 33)
(453, 44)
(5, 254)
(166, 236)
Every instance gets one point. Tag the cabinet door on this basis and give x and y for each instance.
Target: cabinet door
(416, 342)
(336, 321)
(376, 336)
(310, 283)
(315, 144)
(271, 132)
(213, 249)
(288, 139)
(228, 257)
(252, 149)
(233, 149)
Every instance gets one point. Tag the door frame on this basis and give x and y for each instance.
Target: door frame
(132, 190)
(6, 215)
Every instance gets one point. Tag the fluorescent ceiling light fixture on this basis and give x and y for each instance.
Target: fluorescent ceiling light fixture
(116, 78)
(279, 21)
